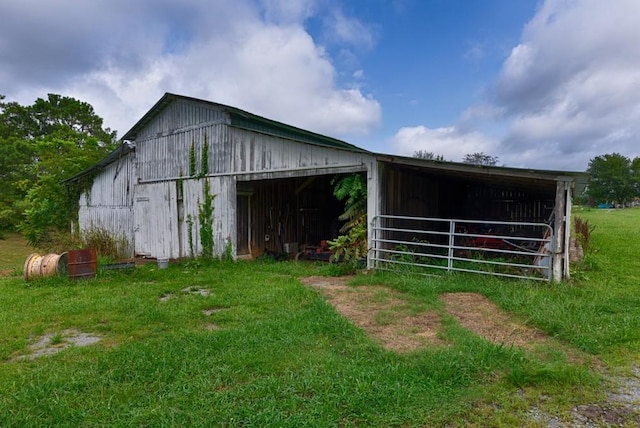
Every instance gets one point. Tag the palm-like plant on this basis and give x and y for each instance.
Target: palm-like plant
(351, 245)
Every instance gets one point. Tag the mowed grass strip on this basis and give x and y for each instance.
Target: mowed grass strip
(281, 355)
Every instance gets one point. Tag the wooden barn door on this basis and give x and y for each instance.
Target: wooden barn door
(155, 216)
(243, 209)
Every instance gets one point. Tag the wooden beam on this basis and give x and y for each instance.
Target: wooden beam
(374, 202)
(306, 183)
(558, 243)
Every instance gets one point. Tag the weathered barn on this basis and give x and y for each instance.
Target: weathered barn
(271, 186)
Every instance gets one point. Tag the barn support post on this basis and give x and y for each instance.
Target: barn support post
(560, 231)
(567, 230)
(373, 206)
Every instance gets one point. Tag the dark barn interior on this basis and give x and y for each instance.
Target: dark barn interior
(448, 191)
(289, 217)
(286, 216)
(423, 192)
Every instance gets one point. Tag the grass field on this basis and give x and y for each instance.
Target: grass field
(246, 344)
(13, 252)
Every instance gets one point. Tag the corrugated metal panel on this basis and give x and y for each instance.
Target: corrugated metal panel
(108, 205)
(223, 214)
(112, 187)
(156, 220)
(117, 220)
(258, 152)
(169, 156)
(179, 115)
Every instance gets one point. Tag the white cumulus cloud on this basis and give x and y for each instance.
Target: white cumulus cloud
(449, 142)
(121, 57)
(572, 86)
(567, 92)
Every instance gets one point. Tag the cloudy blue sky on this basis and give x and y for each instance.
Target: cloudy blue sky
(539, 83)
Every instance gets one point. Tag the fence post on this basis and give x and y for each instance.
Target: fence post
(452, 230)
(371, 244)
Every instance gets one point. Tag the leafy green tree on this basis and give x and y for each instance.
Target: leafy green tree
(423, 154)
(480, 159)
(611, 179)
(16, 156)
(635, 175)
(43, 144)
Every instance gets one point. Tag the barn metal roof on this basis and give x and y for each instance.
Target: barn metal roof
(522, 176)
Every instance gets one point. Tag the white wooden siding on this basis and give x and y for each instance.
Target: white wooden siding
(108, 205)
(235, 151)
(252, 152)
(223, 214)
(117, 220)
(179, 115)
(168, 156)
(156, 220)
(112, 187)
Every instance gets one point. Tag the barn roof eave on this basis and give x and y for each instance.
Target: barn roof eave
(120, 152)
(578, 178)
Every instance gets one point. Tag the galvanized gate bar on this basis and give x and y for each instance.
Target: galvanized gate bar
(519, 250)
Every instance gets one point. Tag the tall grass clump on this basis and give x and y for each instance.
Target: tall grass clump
(106, 243)
(583, 231)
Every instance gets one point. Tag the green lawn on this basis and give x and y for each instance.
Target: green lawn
(13, 252)
(273, 353)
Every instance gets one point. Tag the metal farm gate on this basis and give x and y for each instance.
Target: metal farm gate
(432, 245)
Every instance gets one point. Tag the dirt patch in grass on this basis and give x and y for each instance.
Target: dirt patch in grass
(196, 290)
(7, 272)
(382, 313)
(386, 316)
(187, 290)
(53, 343)
(483, 317)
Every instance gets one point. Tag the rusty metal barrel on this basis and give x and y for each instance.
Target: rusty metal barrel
(83, 263)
